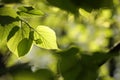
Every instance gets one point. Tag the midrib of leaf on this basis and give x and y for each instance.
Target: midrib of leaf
(45, 42)
(43, 39)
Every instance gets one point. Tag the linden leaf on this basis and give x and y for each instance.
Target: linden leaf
(24, 46)
(46, 37)
(17, 40)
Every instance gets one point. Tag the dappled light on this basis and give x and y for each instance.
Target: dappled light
(59, 40)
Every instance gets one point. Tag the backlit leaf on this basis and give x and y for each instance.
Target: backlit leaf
(3, 36)
(24, 46)
(15, 40)
(47, 37)
(8, 11)
(26, 11)
(12, 32)
(35, 12)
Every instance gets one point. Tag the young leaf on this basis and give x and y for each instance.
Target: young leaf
(3, 36)
(35, 12)
(12, 32)
(24, 46)
(26, 11)
(45, 37)
(14, 41)
(17, 37)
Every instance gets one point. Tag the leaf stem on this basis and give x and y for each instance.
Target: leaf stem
(28, 25)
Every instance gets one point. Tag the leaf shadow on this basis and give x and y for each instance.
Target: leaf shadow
(5, 20)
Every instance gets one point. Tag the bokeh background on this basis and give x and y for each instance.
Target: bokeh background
(90, 29)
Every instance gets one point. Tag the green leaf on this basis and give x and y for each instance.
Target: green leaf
(24, 9)
(45, 37)
(27, 11)
(12, 32)
(14, 41)
(8, 11)
(84, 66)
(24, 46)
(7, 15)
(68, 55)
(73, 61)
(24, 15)
(31, 35)
(18, 36)
(35, 12)
(4, 34)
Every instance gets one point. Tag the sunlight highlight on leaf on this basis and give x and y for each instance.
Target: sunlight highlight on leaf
(47, 37)
(29, 11)
(14, 41)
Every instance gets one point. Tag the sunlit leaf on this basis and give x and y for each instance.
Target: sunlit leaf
(25, 15)
(24, 46)
(12, 32)
(4, 34)
(24, 9)
(27, 11)
(14, 41)
(45, 37)
(35, 12)
(84, 13)
(7, 15)
(8, 11)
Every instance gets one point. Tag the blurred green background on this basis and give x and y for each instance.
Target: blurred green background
(91, 28)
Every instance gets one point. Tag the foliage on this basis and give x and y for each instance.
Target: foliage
(85, 31)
